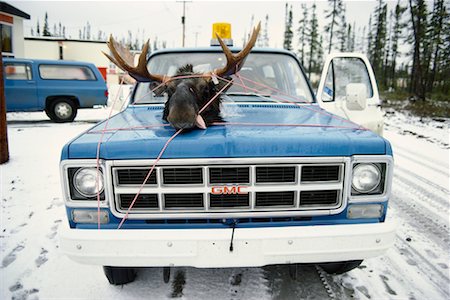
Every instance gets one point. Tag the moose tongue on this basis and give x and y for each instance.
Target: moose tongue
(200, 123)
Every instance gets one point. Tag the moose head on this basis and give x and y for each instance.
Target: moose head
(189, 93)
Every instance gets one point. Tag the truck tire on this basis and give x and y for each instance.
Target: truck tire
(119, 275)
(62, 110)
(340, 267)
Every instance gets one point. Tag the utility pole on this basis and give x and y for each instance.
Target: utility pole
(183, 22)
(4, 153)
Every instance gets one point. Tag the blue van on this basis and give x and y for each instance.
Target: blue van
(58, 87)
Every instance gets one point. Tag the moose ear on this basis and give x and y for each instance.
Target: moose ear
(157, 88)
(221, 84)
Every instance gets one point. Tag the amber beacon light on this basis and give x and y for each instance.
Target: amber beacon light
(223, 30)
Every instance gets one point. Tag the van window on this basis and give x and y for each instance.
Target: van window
(18, 71)
(66, 72)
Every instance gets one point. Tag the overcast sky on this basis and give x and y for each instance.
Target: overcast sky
(163, 18)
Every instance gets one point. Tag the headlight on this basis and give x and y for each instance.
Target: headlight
(85, 181)
(366, 178)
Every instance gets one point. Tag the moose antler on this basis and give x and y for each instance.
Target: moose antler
(236, 61)
(122, 58)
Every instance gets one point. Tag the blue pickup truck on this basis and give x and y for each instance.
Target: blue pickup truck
(59, 88)
(279, 181)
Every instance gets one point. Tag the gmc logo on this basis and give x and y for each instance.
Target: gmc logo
(228, 190)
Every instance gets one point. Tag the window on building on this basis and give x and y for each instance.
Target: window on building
(18, 71)
(66, 72)
(6, 38)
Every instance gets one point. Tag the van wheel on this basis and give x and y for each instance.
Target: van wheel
(119, 275)
(62, 110)
(340, 267)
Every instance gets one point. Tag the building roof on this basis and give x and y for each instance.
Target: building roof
(9, 9)
(60, 39)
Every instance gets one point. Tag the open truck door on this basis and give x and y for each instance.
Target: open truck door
(348, 88)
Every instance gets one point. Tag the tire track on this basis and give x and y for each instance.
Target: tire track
(419, 159)
(424, 180)
(422, 197)
(437, 277)
(309, 284)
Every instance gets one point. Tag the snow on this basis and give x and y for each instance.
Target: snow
(32, 212)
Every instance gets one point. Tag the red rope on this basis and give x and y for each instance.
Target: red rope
(229, 82)
(160, 155)
(97, 181)
(148, 176)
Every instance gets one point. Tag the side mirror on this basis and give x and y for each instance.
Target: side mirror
(356, 96)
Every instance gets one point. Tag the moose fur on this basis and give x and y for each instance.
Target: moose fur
(198, 91)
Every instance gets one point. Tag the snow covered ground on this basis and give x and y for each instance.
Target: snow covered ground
(32, 211)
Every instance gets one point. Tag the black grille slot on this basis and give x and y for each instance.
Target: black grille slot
(275, 174)
(229, 175)
(320, 173)
(275, 199)
(182, 176)
(143, 201)
(319, 198)
(229, 201)
(183, 201)
(135, 176)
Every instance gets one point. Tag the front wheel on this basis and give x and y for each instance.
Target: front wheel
(62, 110)
(119, 275)
(340, 267)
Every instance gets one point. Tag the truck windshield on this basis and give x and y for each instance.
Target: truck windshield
(264, 76)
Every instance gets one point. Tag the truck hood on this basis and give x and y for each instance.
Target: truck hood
(129, 135)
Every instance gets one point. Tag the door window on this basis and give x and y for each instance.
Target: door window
(341, 72)
(66, 72)
(18, 71)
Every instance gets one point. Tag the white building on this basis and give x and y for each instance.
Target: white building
(67, 49)
(11, 30)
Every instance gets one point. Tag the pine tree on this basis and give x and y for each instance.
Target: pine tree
(362, 43)
(64, 31)
(332, 14)
(55, 32)
(88, 31)
(302, 30)
(444, 75)
(288, 34)
(38, 30)
(369, 39)
(350, 45)
(418, 10)
(438, 19)
(342, 31)
(313, 40)
(396, 35)
(46, 30)
(379, 42)
(265, 32)
(387, 53)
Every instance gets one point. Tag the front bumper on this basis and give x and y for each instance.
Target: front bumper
(209, 248)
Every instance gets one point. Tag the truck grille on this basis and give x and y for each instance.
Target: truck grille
(320, 173)
(264, 199)
(182, 176)
(229, 201)
(181, 201)
(229, 175)
(249, 189)
(275, 174)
